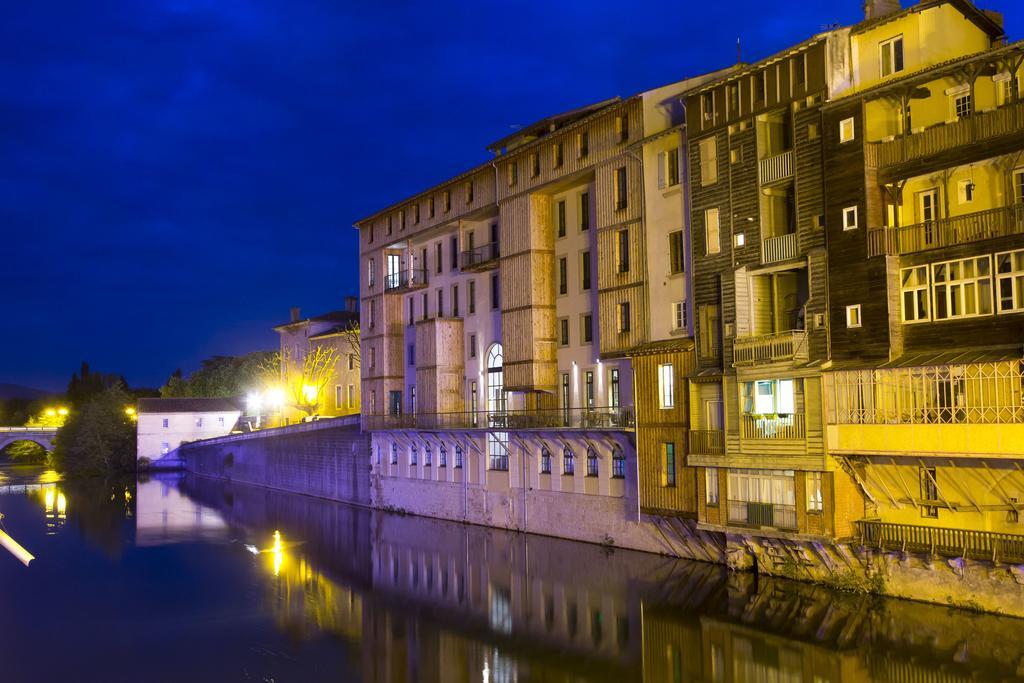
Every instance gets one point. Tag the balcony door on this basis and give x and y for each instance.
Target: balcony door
(927, 214)
(713, 417)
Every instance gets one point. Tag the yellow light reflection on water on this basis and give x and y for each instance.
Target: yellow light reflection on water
(48, 499)
(62, 505)
(278, 553)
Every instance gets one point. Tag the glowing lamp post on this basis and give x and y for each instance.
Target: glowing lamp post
(254, 403)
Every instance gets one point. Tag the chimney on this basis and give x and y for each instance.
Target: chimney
(879, 8)
(351, 304)
(295, 314)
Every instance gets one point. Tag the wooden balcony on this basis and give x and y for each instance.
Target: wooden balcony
(481, 258)
(981, 127)
(947, 232)
(781, 248)
(759, 515)
(777, 347)
(405, 280)
(707, 441)
(978, 545)
(776, 168)
(773, 427)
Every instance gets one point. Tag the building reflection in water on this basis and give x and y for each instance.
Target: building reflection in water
(163, 514)
(426, 600)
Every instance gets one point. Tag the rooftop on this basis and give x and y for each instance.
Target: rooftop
(187, 405)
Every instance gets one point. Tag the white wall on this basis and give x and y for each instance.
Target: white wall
(181, 427)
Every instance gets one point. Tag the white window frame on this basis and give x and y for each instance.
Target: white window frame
(1017, 180)
(678, 315)
(956, 289)
(1015, 278)
(847, 130)
(712, 491)
(917, 290)
(889, 46)
(666, 386)
(712, 246)
(848, 213)
(815, 485)
(853, 311)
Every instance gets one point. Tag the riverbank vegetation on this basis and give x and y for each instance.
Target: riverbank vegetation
(98, 437)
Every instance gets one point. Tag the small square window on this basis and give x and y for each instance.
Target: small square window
(812, 131)
(850, 218)
(846, 130)
(853, 318)
(965, 191)
(741, 239)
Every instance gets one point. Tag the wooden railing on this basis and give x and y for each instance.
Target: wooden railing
(773, 426)
(968, 543)
(770, 348)
(776, 168)
(621, 418)
(781, 248)
(406, 279)
(480, 258)
(753, 514)
(707, 441)
(978, 127)
(946, 232)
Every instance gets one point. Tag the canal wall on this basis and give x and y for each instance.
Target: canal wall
(325, 458)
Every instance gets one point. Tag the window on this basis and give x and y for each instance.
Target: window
(412, 455)
(351, 396)
(592, 463)
(337, 396)
(588, 328)
(453, 255)
(495, 292)
(732, 99)
(372, 315)
(584, 211)
(471, 298)
(668, 464)
(678, 315)
(351, 361)
(373, 357)
(675, 252)
(914, 290)
(545, 460)
(440, 303)
(891, 56)
(199, 422)
(620, 188)
(469, 192)
(813, 131)
(708, 161)
(712, 239)
(412, 400)
(166, 423)
(430, 207)
(585, 271)
(962, 105)
(513, 174)
(557, 155)
(965, 191)
(1008, 87)
(623, 315)
(165, 448)
(458, 457)
(455, 301)
(568, 461)
(472, 346)
(846, 130)
(618, 463)
(428, 455)
(563, 275)
(850, 218)
(411, 354)
(666, 386)
(426, 306)
(1010, 281)
(535, 164)
(760, 88)
(622, 250)
(442, 456)
(583, 142)
(929, 492)
(560, 217)
(622, 127)
(394, 453)
(853, 316)
(613, 388)
(589, 385)
(707, 107)
(962, 289)
(668, 168)
(739, 239)
(814, 498)
(799, 70)
(412, 310)
(415, 214)
(566, 398)
(563, 331)
(371, 274)
(446, 198)
(711, 485)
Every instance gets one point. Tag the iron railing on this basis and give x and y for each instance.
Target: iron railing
(774, 426)
(756, 514)
(790, 345)
(776, 168)
(947, 232)
(707, 441)
(612, 419)
(480, 258)
(967, 543)
(406, 279)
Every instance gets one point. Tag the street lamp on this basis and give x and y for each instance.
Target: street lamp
(254, 403)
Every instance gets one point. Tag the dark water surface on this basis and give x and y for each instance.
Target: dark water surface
(184, 579)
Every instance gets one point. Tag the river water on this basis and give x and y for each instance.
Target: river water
(184, 579)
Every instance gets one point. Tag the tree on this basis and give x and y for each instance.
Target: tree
(86, 384)
(351, 336)
(221, 377)
(305, 378)
(25, 453)
(99, 437)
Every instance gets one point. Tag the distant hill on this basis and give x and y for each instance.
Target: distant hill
(17, 391)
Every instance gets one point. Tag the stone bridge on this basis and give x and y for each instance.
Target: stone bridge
(40, 435)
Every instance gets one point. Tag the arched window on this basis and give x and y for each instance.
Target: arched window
(568, 461)
(545, 460)
(458, 456)
(591, 462)
(618, 463)
(442, 456)
(427, 455)
(394, 452)
(412, 455)
(497, 442)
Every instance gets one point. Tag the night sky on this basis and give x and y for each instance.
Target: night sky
(178, 173)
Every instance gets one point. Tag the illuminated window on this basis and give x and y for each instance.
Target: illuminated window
(846, 130)
(513, 174)
(963, 288)
(853, 316)
(711, 485)
(770, 397)
(914, 290)
(814, 498)
(891, 56)
(666, 386)
(1010, 281)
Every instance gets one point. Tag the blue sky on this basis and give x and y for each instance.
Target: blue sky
(178, 173)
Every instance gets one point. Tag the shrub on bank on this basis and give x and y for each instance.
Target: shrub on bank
(99, 438)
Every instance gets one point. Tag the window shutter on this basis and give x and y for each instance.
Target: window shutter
(661, 170)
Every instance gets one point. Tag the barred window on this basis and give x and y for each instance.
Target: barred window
(962, 289)
(914, 287)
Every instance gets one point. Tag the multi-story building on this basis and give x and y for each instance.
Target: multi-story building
(925, 227)
(332, 386)
(500, 313)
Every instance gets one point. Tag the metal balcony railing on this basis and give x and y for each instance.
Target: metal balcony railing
(780, 248)
(405, 280)
(791, 426)
(776, 168)
(979, 127)
(480, 258)
(947, 232)
(755, 514)
(612, 419)
(707, 441)
(790, 345)
(978, 545)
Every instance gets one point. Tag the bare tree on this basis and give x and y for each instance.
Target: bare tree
(305, 378)
(351, 337)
